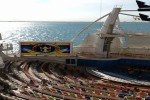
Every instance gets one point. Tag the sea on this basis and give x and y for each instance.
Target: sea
(14, 32)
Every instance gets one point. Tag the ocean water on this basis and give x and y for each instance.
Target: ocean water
(14, 32)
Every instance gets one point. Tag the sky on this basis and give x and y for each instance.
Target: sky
(61, 10)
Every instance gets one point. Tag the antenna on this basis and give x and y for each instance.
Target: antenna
(142, 7)
(144, 17)
(142, 4)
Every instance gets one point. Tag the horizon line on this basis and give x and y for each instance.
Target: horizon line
(57, 21)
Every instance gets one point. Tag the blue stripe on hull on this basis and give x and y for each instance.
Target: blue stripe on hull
(105, 64)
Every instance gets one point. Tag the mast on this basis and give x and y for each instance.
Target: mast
(104, 42)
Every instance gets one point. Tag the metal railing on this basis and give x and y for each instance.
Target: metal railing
(130, 52)
(114, 52)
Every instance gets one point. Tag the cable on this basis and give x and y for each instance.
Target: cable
(83, 29)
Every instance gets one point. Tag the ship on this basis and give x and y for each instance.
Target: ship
(108, 64)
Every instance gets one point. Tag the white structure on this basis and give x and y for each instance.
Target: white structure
(99, 42)
(4, 47)
(108, 40)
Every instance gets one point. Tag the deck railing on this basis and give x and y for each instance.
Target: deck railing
(130, 52)
(114, 52)
(91, 52)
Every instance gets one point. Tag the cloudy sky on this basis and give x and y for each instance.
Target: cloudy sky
(60, 10)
